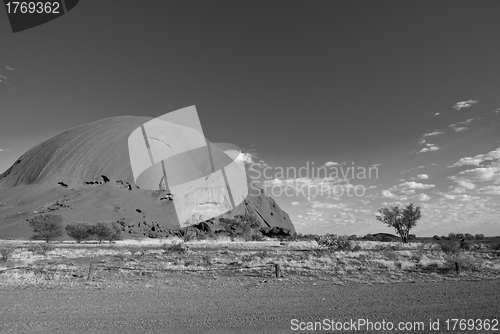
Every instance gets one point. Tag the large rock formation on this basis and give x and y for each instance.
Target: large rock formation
(84, 174)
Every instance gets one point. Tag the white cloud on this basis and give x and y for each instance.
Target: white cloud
(433, 133)
(423, 197)
(493, 190)
(9, 68)
(245, 157)
(466, 184)
(295, 203)
(415, 185)
(436, 114)
(481, 174)
(429, 149)
(324, 205)
(249, 158)
(497, 110)
(465, 104)
(331, 163)
(478, 159)
(423, 176)
(457, 128)
(388, 193)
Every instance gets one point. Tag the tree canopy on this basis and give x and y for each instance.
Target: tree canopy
(402, 219)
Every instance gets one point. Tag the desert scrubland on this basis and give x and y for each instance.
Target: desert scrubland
(229, 286)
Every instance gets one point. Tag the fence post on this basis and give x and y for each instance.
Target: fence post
(91, 272)
(457, 267)
(277, 269)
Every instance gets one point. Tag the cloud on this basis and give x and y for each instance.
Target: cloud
(9, 68)
(433, 133)
(415, 185)
(437, 114)
(388, 194)
(295, 203)
(457, 128)
(423, 176)
(492, 190)
(331, 163)
(466, 184)
(4, 150)
(497, 111)
(481, 174)
(324, 205)
(245, 158)
(429, 149)
(478, 159)
(465, 104)
(423, 197)
(249, 158)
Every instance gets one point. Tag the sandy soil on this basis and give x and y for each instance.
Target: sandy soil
(187, 304)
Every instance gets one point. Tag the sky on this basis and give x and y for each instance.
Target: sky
(376, 102)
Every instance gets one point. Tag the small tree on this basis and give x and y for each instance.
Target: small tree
(402, 219)
(79, 231)
(47, 227)
(102, 231)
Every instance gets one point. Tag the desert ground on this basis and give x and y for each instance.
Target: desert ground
(171, 286)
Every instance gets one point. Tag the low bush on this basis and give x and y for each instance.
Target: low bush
(175, 248)
(335, 242)
(450, 246)
(136, 252)
(41, 249)
(6, 253)
(47, 227)
(79, 231)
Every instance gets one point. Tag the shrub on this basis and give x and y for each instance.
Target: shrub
(107, 231)
(356, 248)
(47, 227)
(436, 237)
(6, 253)
(116, 232)
(245, 226)
(479, 236)
(450, 247)
(136, 252)
(175, 248)
(41, 249)
(79, 231)
(335, 242)
(188, 235)
(469, 236)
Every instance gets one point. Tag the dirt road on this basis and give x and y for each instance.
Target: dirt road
(196, 305)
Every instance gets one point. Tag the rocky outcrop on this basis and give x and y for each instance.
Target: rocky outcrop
(90, 164)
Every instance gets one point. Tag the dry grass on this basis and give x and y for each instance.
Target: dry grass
(149, 260)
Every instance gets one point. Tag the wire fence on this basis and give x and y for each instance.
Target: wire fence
(276, 267)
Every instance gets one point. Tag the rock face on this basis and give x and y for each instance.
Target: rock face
(84, 174)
